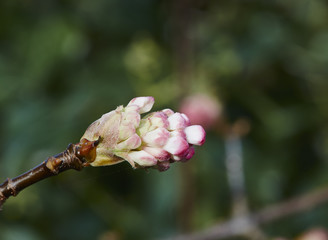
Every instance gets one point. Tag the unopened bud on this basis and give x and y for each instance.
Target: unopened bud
(156, 140)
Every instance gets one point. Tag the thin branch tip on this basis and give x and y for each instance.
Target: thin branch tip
(76, 156)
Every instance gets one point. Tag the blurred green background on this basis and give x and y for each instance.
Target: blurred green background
(64, 63)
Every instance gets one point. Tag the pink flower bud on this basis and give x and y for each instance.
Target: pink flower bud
(190, 153)
(168, 112)
(195, 135)
(132, 142)
(177, 121)
(185, 156)
(314, 234)
(131, 118)
(159, 153)
(142, 158)
(176, 145)
(144, 103)
(201, 109)
(158, 119)
(156, 140)
(179, 132)
(186, 118)
(151, 122)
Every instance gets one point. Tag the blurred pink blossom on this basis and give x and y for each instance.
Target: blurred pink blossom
(314, 234)
(201, 109)
(156, 140)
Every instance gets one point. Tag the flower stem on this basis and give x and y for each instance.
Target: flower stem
(76, 156)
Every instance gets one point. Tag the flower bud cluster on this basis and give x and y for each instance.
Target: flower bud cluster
(156, 140)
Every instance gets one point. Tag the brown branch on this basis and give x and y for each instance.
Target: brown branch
(245, 224)
(292, 206)
(76, 156)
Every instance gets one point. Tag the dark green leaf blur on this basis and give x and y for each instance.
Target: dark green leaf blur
(65, 63)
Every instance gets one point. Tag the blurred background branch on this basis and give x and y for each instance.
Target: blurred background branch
(246, 225)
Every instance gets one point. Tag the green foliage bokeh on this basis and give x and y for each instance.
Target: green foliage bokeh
(65, 63)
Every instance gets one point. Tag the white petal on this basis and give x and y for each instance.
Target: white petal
(186, 118)
(126, 131)
(176, 121)
(176, 158)
(142, 158)
(145, 103)
(176, 145)
(132, 142)
(156, 138)
(131, 118)
(195, 134)
(159, 153)
(179, 132)
(158, 119)
(168, 112)
(132, 108)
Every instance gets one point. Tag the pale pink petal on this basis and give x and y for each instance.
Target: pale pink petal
(168, 112)
(145, 103)
(142, 158)
(186, 118)
(132, 142)
(158, 119)
(176, 121)
(179, 132)
(184, 156)
(144, 127)
(131, 118)
(176, 158)
(195, 134)
(159, 153)
(176, 145)
(157, 137)
(126, 131)
(132, 108)
(106, 127)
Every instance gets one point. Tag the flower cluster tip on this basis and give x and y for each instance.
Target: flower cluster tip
(155, 140)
